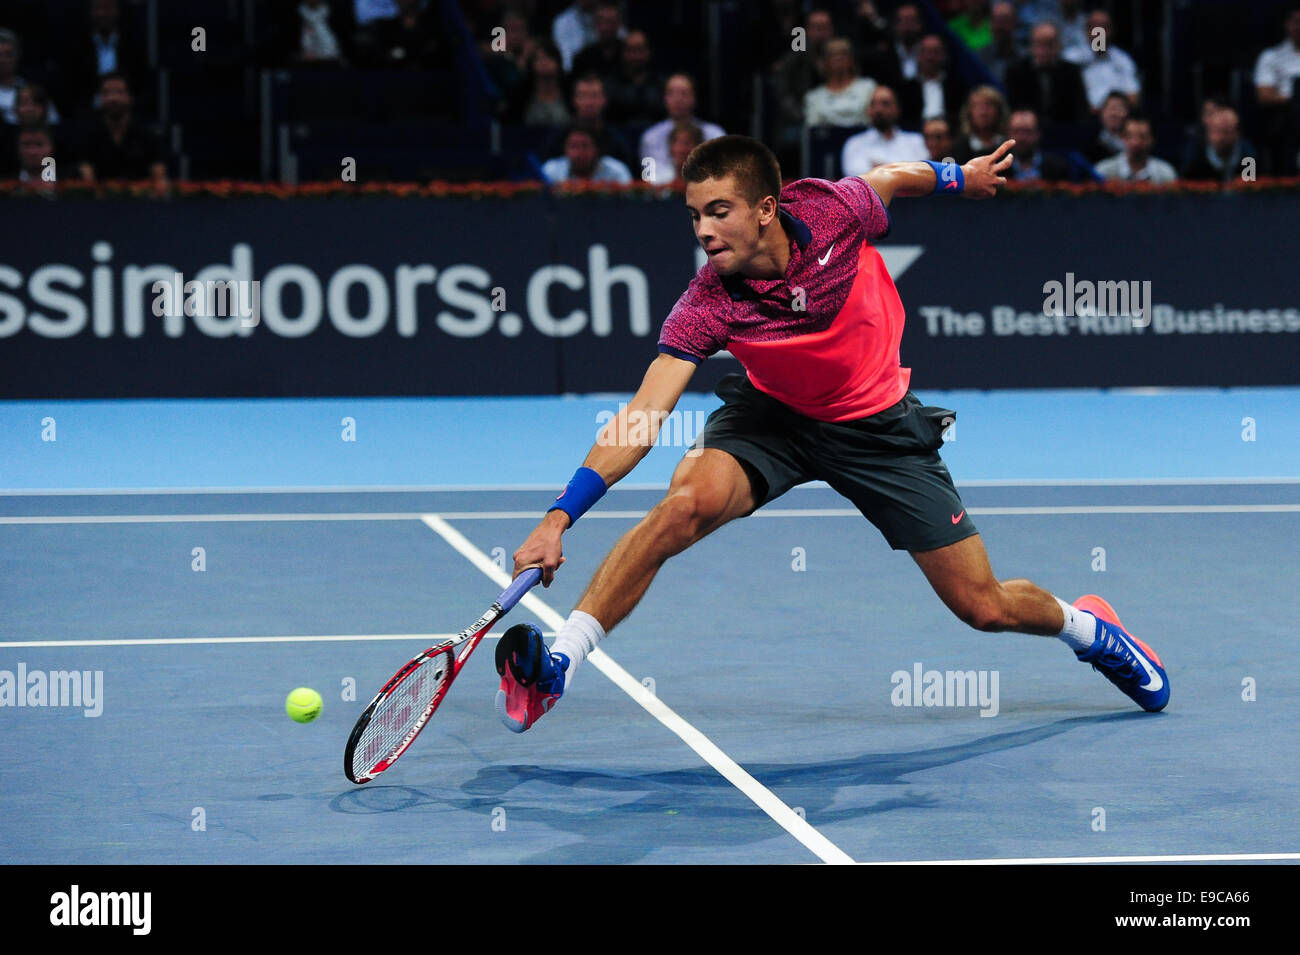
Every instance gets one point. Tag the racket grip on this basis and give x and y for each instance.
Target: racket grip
(518, 587)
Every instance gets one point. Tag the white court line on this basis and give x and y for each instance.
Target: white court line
(253, 518)
(764, 798)
(1107, 860)
(621, 486)
(428, 638)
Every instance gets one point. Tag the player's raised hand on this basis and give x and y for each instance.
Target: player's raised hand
(542, 548)
(984, 173)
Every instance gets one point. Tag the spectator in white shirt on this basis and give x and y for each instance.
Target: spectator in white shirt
(1135, 163)
(1278, 67)
(884, 141)
(582, 160)
(679, 101)
(842, 100)
(684, 138)
(1106, 68)
(574, 28)
(1276, 71)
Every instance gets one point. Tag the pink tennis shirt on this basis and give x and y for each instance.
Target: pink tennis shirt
(824, 338)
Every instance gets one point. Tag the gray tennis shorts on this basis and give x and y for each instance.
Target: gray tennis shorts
(887, 464)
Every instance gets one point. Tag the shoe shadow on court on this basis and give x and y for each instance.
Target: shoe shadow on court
(624, 817)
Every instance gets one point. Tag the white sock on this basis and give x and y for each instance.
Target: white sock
(1080, 628)
(578, 637)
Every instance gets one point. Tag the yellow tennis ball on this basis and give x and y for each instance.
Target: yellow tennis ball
(303, 704)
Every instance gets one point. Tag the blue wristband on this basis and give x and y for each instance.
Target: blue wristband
(584, 489)
(948, 177)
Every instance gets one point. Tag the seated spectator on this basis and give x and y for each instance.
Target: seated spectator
(540, 100)
(679, 102)
(1043, 82)
(842, 99)
(972, 25)
(573, 29)
(1135, 163)
(35, 145)
(1194, 138)
(983, 123)
(933, 91)
(1066, 15)
(411, 39)
(605, 56)
(1107, 69)
(582, 161)
(313, 31)
(1004, 48)
(32, 108)
(799, 71)
(884, 141)
(508, 65)
(873, 45)
(909, 30)
(636, 95)
(119, 147)
(1276, 71)
(684, 138)
(938, 139)
(104, 45)
(1029, 163)
(589, 103)
(1224, 149)
(11, 84)
(1109, 140)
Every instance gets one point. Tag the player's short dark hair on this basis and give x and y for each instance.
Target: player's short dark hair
(754, 166)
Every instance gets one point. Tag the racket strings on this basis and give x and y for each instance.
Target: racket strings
(403, 710)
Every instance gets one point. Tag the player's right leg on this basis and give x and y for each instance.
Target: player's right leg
(708, 489)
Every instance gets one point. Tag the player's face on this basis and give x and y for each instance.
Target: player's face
(726, 225)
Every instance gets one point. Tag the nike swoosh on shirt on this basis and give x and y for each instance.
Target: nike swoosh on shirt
(1154, 683)
(957, 517)
(825, 258)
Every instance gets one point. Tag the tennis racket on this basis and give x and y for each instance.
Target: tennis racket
(399, 711)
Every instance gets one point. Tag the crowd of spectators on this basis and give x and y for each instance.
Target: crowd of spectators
(1055, 75)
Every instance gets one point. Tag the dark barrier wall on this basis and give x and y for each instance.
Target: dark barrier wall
(405, 297)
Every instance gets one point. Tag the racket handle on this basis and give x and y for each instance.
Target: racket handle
(518, 587)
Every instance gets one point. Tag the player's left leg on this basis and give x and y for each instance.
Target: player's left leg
(960, 574)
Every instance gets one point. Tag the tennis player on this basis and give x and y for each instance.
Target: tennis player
(796, 291)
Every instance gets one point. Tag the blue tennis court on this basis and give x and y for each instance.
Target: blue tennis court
(757, 707)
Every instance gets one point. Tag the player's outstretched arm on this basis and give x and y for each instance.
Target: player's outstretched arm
(980, 178)
(625, 440)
